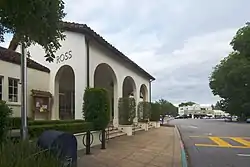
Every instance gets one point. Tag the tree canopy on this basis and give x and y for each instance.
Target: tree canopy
(189, 103)
(167, 108)
(230, 79)
(33, 21)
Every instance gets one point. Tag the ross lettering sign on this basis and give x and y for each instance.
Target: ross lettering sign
(63, 57)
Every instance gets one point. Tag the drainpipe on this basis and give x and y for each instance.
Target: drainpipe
(150, 97)
(87, 54)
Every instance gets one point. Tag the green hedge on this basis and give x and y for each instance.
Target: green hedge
(127, 109)
(155, 112)
(144, 111)
(96, 107)
(5, 113)
(16, 122)
(36, 130)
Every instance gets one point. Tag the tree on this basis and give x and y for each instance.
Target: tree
(167, 108)
(230, 79)
(241, 41)
(33, 21)
(189, 103)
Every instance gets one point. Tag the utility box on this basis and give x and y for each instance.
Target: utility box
(63, 145)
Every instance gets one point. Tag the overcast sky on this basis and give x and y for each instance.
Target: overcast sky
(177, 41)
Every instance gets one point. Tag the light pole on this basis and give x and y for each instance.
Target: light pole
(24, 129)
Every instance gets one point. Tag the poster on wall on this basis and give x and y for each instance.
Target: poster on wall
(41, 104)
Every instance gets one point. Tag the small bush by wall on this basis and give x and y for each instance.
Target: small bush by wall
(26, 154)
(155, 112)
(96, 107)
(5, 113)
(36, 130)
(144, 111)
(127, 109)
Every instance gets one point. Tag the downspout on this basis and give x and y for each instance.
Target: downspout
(150, 97)
(87, 55)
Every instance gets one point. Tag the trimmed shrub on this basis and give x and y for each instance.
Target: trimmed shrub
(155, 112)
(36, 130)
(26, 154)
(96, 107)
(16, 122)
(127, 109)
(5, 113)
(143, 111)
(51, 122)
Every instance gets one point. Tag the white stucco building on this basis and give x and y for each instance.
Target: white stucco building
(195, 109)
(84, 60)
(200, 110)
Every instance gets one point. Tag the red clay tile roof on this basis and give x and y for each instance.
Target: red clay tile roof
(14, 57)
(84, 29)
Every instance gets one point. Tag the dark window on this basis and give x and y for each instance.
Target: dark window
(13, 90)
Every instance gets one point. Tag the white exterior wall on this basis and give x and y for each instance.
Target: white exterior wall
(99, 55)
(76, 43)
(36, 80)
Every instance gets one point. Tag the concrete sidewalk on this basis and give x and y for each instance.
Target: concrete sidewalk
(155, 148)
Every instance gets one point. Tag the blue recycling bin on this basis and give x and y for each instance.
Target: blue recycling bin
(61, 144)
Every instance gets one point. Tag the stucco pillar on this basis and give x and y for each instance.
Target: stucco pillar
(55, 104)
(80, 86)
(137, 99)
(117, 95)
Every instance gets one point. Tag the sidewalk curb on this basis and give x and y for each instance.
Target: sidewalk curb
(183, 152)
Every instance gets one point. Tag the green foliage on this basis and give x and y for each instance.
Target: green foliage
(241, 41)
(143, 111)
(96, 107)
(26, 154)
(36, 130)
(155, 112)
(5, 113)
(16, 122)
(167, 108)
(230, 79)
(127, 110)
(35, 21)
(189, 103)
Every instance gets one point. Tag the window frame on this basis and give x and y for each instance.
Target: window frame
(12, 86)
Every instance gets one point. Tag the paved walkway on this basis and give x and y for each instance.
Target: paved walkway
(155, 148)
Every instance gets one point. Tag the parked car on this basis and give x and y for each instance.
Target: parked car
(248, 120)
(228, 119)
(235, 119)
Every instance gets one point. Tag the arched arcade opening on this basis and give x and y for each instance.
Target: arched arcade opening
(104, 77)
(143, 93)
(129, 87)
(65, 92)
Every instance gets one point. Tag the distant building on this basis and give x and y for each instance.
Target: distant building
(199, 110)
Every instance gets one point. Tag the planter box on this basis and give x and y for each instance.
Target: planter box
(128, 129)
(143, 125)
(156, 124)
(79, 138)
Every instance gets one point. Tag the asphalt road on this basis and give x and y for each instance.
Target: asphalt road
(215, 143)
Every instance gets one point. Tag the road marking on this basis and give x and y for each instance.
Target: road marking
(220, 142)
(218, 146)
(244, 155)
(241, 141)
(193, 126)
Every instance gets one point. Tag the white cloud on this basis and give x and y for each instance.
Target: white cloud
(178, 41)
